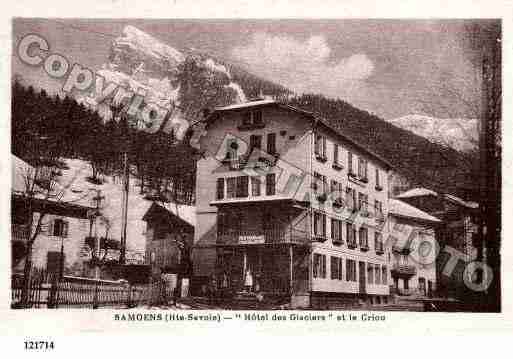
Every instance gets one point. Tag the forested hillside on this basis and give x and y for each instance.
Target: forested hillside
(41, 123)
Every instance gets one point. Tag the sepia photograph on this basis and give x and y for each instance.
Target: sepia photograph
(255, 164)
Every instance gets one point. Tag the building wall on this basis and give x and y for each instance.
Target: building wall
(328, 248)
(292, 143)
(74, 244)
(295, 153)
(401, 231)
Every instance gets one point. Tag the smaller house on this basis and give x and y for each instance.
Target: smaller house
(413, 257)
(169, 239)
(65, 225)
(459, 230)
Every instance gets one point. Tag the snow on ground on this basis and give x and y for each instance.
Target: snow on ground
(417, 192)
(403, 209)
(76, 189)
(460, 134)
(141, 41)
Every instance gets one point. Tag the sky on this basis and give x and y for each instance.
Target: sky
(391, 68)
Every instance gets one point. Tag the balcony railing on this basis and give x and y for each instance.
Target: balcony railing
(19, 232)
(267, 236)
(405, 249)
(404, 269)
(351, 244)
(364, 246)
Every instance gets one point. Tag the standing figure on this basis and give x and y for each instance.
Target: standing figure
(248, 281)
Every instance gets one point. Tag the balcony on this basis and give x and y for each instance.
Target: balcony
(405, 249)
(19, 232)
(337, 166)
(351, 244)
(379, 249)
(403, 270)
(364, 246)
(321, 157)
(266, 236)
(337, 241)
(319, 238)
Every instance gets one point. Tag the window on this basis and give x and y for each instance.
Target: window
(220, 188)
(350, 270)
(231, 186)
(377, 274)
(336, 230)
(422, 285)
(270, 184)
(335, 153)
(362, 202)
(336, 191)
(60, 228)
(246, 119)
(384, 274)
(257, 118)
(319, 269)
(242, 186)
(362, 168)
(252, 119)
(378, 242)
(351, 234)
(319, 183)
(378, 184)
(320, 146)
(336, 267)
(362, 235)
(271, 143)
(319, 224)
(351, 198)
(350, 163)
(378, 208)
(255, 141)
(255, 186)
(370, 273)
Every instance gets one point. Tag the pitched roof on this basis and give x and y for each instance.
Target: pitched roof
(166, 212)
(317, 120)
(417, 192)
(401, 209)
(422, 192)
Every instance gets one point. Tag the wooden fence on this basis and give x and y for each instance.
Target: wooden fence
(75, 292)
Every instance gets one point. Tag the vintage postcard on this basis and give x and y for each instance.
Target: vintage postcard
(253, 170)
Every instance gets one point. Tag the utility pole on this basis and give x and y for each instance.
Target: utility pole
(490, 163)
(124, 126)
(97, 199)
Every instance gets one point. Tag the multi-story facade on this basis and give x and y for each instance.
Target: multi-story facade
(413, 250)
(458, 232)
(287, 198)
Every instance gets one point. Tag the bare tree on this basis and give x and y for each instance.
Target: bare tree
(40, 189)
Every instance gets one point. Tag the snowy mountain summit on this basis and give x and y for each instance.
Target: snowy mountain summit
(460, 134)
(182, 82)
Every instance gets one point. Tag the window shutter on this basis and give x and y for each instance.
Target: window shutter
(220, 188)
(65, 225)
(271, 143)
(323, 146)
(49, 230)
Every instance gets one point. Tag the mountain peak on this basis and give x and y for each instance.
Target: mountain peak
(139, 41)
(458, 133)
